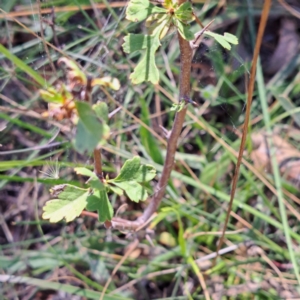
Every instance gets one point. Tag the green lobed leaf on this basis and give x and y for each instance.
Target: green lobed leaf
(135, 42)
(146, 69)
(129, 170)
(184, 12)
(145, 173)
(69, 205)
(132, 170)
(223, 40)
(133, 190)
(100, 202)
(139, 10)
(131, 174)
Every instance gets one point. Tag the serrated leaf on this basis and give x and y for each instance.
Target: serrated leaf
(133, 190)
(133, 171)
(131, 174)
(139, 10)
(129, 170)
(69, 205)
(101, 110)
(184, 30)
(100, 202)
(184, 12)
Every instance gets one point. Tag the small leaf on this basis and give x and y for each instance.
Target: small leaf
(177, 106)
(89, 128)
(130, 175)
(69, 205)
(232, 39)
(168, 4)
(133, 190)
(184, 12)
(84, 172)
(93, 181)
(100, 202)
(129, 169)
(139, 10)
(225, 40)
(184, 30)
(74, 72)
(110, 82)
(167, 239)
(51, 95)
(146, 69)
(154, 23)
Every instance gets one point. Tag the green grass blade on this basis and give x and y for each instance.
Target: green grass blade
(21, 65)
(44, 284)
(275, 167)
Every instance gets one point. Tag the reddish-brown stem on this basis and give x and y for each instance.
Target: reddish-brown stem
(186, 53)
(261, 29)
(98, 163)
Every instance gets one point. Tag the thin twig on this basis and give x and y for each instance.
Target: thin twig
(290, 9)
(261, 29)
(43, 37)
(98, 163)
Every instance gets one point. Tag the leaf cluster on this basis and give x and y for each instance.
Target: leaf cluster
(70, 200)
(159, 21)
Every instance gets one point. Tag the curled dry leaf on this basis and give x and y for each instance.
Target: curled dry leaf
(288, 157)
